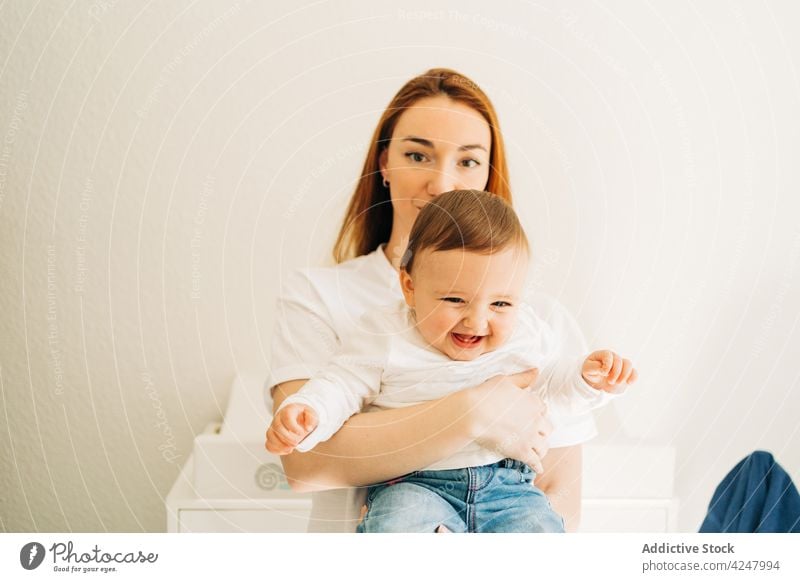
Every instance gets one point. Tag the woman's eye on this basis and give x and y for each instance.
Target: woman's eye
(470, 163)
(416, 157)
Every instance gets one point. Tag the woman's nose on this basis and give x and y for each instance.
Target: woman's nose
(440, 182)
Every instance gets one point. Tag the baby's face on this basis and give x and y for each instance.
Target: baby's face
(465, 302)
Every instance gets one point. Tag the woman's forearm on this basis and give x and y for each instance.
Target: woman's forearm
(376, 446)
(561, 482)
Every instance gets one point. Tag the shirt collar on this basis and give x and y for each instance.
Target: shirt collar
(387, 271)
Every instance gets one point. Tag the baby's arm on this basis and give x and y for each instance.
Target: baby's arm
(576, 387)
(349, 382)
(289, 427)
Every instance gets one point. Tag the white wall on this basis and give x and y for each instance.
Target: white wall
(163, 164)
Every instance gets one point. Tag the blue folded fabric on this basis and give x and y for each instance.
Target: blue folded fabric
(757, 496)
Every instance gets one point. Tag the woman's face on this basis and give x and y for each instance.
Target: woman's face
(438, 145)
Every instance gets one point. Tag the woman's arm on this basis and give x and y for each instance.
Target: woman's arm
(376, 446)
(561, 482)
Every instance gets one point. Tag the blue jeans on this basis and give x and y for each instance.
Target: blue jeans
(499, 497)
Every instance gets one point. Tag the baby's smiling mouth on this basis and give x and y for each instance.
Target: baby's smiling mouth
(465, 340)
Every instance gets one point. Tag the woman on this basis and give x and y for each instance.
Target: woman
(439, 133)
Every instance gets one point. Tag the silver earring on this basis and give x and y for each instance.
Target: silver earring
(385, 183)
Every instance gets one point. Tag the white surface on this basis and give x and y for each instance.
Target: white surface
(248, 412)
(162, 166)
(628, 471)
(188, 512)
(229, 458)
(226, 467)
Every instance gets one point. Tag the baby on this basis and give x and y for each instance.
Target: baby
(462, 322)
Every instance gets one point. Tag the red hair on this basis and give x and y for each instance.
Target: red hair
(368, 221)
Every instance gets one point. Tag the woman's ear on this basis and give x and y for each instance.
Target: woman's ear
(382, 161)
(407, 286)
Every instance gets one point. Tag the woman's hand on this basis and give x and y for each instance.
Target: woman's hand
(510, 420)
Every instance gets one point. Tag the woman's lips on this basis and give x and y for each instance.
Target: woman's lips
(466, 341)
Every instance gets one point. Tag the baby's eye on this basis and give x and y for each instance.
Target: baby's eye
(470, 163)
(453, 299)
(501, 304)
(416, 156)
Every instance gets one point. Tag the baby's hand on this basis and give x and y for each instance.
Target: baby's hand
(289, 427)
(604, 370)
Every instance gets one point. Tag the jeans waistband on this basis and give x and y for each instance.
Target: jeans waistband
(510, 464)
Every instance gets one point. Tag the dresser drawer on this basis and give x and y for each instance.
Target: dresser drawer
(262, 520)
(628, 515)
